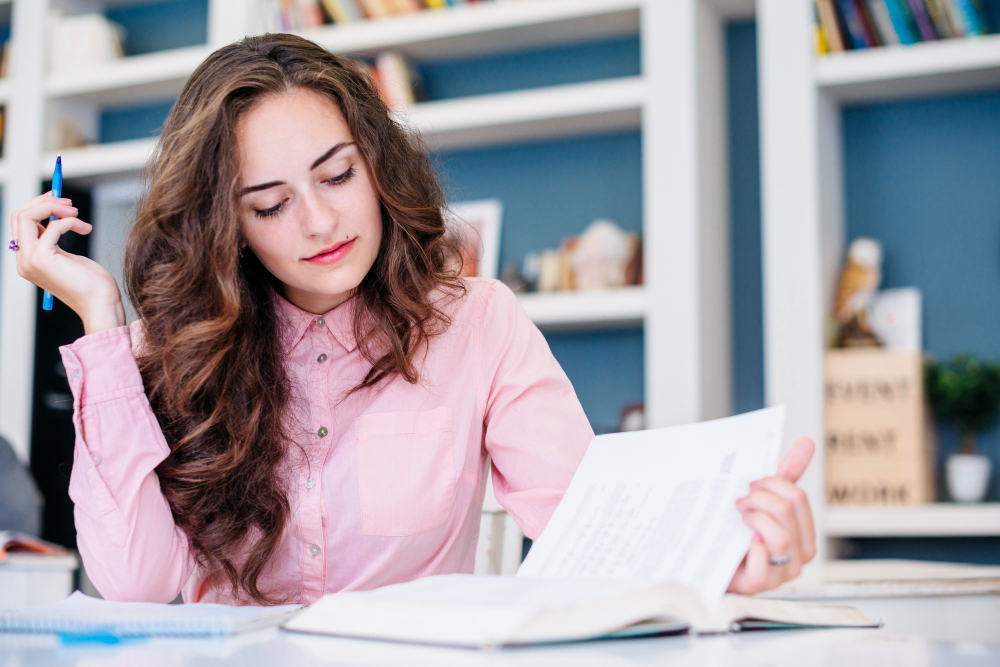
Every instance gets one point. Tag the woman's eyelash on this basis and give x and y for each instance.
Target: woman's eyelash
(268, 212)
(276, 209)
(337, 180)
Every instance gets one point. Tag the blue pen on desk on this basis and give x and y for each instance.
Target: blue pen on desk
(57, 193)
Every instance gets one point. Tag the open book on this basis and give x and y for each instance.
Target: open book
(645, 541)
(491, 611)
(12, 541)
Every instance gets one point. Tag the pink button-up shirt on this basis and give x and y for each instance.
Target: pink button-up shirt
(388, 484)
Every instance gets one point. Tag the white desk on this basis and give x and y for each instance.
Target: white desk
(920, 632)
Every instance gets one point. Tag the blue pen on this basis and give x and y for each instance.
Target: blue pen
(57, 193)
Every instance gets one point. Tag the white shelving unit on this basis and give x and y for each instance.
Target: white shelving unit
(801, 96)
(587, 310)
(931, 520)
(540, 113)
(678, 102)
(920, 70)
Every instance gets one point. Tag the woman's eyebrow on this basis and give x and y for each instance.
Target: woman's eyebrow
(330, 153)
(323, 158)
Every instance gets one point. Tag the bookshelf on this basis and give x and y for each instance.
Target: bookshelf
(556, 111)
(801, 99)
(677, 103)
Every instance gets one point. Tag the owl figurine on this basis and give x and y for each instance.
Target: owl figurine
(859, 280)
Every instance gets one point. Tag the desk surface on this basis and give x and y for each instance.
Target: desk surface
(925, 632)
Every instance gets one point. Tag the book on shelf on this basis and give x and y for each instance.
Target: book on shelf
(645, 541)
(398, 79)
(861, 24)
(5, 60)
(12, 541)
(294, 15)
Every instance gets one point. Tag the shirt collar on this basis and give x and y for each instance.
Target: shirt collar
(339, 321)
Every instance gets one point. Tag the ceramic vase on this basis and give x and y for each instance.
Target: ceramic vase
(968, 477)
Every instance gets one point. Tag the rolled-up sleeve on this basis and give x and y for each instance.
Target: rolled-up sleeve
(535, 429)
(129, 543)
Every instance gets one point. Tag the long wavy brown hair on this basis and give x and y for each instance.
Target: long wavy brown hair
(212, 362)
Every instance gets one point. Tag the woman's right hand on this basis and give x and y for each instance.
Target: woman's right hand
(79, 282)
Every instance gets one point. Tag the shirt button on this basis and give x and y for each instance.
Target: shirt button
(96, 458)
(321, 358)
(310, 483)
(78, 372)
(322, 431)
(313, 549)
(319, 321)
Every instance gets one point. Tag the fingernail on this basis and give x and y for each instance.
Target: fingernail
(757, 538)
(753, 483)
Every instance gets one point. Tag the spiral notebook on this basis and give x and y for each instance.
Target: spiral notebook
(80, 614)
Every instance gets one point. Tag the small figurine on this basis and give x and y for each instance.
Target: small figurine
(601, 256)
(632, 418)
(859, 280)
(510, 276)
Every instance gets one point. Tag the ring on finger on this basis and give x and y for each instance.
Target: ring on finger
(780, 561)
(13, 245)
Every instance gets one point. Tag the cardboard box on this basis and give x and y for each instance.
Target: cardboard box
(878, 444)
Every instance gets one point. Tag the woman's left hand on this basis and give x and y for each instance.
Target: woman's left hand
(778, 512)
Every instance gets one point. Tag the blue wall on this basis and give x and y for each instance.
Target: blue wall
(532, 69)
(922, 177)
(157, 26)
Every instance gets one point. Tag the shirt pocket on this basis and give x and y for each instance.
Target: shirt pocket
(406, 471)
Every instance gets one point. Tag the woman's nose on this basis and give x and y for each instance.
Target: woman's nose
(317, 219)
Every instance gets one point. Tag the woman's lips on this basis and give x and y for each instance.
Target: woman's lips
(334, 255)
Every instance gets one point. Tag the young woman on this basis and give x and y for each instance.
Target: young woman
(311, 396)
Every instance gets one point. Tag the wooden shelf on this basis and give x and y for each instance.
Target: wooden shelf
(540, 113)
(612, 308)
(899, 72)
(151, 76)
(476, 29)
(931, 520)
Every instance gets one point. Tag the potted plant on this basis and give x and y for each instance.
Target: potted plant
(966, 392)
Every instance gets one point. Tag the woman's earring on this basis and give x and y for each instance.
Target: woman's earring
(241, 247)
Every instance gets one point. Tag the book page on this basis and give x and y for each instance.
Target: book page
(735, 608)
(494, 610)
(660, 505)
